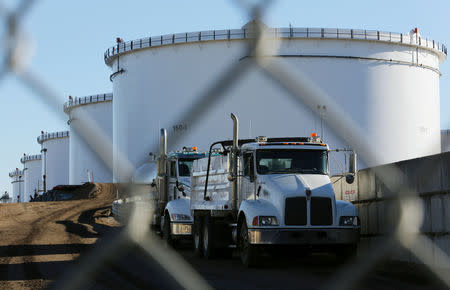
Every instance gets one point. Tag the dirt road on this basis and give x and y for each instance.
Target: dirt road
(39, 240)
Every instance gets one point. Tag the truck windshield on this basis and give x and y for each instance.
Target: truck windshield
(283, 161)
(184, 166)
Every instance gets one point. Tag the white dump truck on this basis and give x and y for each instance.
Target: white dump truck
(269, 193)
(170, 177)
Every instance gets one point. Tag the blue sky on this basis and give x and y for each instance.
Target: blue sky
(70, 37)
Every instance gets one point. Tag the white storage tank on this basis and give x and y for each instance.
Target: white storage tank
(445, 140)
(388, 83)
(55, 159)
(85, 163)
(17, 184)
(32, 169)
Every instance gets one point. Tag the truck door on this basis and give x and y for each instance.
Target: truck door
(172, 191)
(248, 176)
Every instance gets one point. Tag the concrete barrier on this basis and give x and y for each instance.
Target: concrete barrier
(428, 177)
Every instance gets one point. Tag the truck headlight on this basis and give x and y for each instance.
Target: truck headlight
(265, 221)
(180, 217)
(349, 221)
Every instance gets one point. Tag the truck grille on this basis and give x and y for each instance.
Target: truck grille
(321, 211)
(295, 211)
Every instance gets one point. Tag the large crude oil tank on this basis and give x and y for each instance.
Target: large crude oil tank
(387, 83)
(32, 168)
(86, 163)
(55, 159)
(17, 184)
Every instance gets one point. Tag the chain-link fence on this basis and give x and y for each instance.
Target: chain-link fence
(405, 202)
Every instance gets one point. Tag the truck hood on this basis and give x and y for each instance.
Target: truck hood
(285, 185)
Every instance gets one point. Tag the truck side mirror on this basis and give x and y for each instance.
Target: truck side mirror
(352, 168)
(349, 178)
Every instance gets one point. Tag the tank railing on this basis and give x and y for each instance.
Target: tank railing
(16, 173)
(54, 135)
(309, 33)
(30, 158)
(87, 100)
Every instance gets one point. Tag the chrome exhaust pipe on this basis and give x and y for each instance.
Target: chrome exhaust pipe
(234, 169)
(163, 143)
(235, 131)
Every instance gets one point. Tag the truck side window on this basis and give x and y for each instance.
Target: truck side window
(248, 164)
(173, 168)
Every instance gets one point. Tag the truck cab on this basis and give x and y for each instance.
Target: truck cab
(164, 183)
(176, 220)
(288, 198)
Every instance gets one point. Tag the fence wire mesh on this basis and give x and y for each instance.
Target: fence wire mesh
(408, 209)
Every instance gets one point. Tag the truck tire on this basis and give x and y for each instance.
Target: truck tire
(167, 237)
(247, 251)
(197, 233)
(208, 238)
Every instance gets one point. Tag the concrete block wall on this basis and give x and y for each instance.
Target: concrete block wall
(445, 140)
(427, 177)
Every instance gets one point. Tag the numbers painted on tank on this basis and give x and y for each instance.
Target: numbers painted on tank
(179, 127)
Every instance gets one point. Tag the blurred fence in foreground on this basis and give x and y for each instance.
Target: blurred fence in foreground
(412, 209)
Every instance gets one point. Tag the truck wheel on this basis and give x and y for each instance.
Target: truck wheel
(167, 238)
(198, 237)
(208, 238)
(247, 251)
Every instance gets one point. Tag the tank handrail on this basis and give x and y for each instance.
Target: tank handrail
(55, 135)
(30, 158)
(284, 33)
(15, 173)
(78, 101)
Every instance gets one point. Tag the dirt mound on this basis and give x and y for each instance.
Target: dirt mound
(77, 192)
(106, 190)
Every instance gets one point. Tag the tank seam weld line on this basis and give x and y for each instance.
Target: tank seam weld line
(353, 57)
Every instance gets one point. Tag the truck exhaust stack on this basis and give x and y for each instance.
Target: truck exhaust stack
(234, 164)
(163, 143)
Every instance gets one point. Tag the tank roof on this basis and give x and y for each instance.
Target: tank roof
(80, 101)
(55, 135)
(248, 32)
(27, 158)
(15, 173)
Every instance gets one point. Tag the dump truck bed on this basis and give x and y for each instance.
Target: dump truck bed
(218, 195)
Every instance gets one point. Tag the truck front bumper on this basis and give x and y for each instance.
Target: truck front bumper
(181, 229)
(288, 236)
